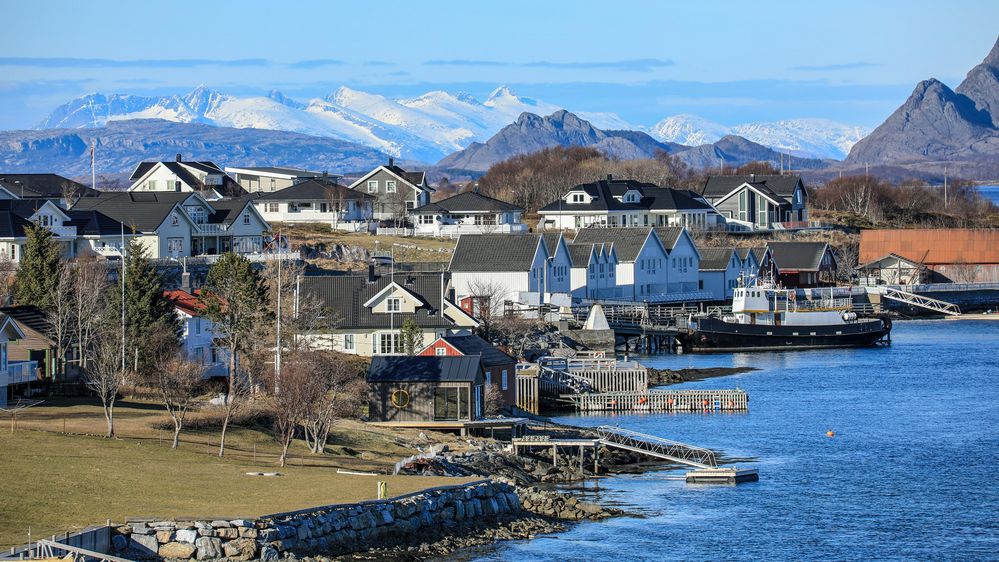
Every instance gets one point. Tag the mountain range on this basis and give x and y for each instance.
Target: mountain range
(531, 133)
(938, 124)
(425, 128)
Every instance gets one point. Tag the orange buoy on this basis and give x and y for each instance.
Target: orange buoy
(642, 400)
(705, 402)
(830, 433)
(730, 404)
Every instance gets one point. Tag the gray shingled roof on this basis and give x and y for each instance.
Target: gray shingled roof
(579, 254)
(628, 242)
(43, 185)
(782, 186)
(474, 345)
(653, 198)
(494, 252)
(467, 202)
(797, 256)
(145, 210)
(715, 259)
(343, 297)
(669, 235)
(425, 368)
(313, 190)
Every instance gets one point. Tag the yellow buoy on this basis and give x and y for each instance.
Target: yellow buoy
(830, 433)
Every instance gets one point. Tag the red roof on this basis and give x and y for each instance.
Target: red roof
(185, 302)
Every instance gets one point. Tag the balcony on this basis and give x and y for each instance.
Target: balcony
(63, 231)
(212, 229)
(19, 372)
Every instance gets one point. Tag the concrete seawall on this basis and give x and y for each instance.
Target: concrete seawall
(328, 530)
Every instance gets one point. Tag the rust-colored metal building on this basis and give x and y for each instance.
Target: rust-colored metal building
(960, 255)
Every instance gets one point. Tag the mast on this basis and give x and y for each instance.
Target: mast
(277, 351)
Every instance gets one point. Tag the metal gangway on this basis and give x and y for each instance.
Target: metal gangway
(567, 382)
(913, 299)
(47, 550)
(658, 447)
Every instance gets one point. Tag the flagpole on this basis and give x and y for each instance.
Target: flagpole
(93, 165)
(277, 352)
(123, 297)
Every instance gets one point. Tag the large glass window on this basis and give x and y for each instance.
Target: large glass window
(389, 344)
(450, 403)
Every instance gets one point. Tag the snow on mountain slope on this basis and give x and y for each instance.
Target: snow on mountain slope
(810, 138)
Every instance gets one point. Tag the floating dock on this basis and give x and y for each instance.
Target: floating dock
(722, 475)
(721, 400)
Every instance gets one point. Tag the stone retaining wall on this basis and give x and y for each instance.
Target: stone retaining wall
(330, 530)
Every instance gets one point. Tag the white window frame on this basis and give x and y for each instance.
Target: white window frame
(505, 380)
(390, 186)
(393, 304)
(440, 351)
(175, 246)
(372, 186)
(174, 219)
(349, 342)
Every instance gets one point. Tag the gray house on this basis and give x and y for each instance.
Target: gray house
(396, 192)
(759, 202)
(429, 388)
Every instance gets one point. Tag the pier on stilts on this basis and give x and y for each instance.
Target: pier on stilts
(722, 400)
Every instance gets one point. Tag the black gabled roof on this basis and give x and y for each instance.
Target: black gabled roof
(653, 198)
(781, 186)
(797, 256)
(474, 345)
(23, 208)
(579, 254)
(43, 185)
(31, 316)
(669, 199)
(468, 202)
(229, 187)
(90, 222)
(343, 298)
(415, 178)
(12, 225)
(314, 190)
(425, 368)
(714, 259)
(227, 210)
(145, 210)
(628, 242)
(494, 252)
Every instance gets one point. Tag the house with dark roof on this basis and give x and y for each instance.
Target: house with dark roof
(38, 344)
(78, 232)
(198, 341)
(268, 179)
(396, 191)
(467, 213)
(180, 224)
(498, 367)
(364, 314)
(316, 201)
(426, 388)
(800, 264)
(45, 186)
(758, 202)
(183, 176)
(594, 271)
(623, 203)
(530, 269)
(721, 270)
(15, 376)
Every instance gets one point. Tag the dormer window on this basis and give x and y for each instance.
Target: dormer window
(393, 305)
(577, 198)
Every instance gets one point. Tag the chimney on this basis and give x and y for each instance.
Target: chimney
(185, 283)
(610, 177)
(391, 161)
(371, 273)
(752, 178)
(178, 157)
(450, 294)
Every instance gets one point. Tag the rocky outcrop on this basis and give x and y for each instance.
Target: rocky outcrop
(459, 512)
(981, 85)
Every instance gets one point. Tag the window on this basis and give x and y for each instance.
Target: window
(389, 186)
(199, 355)
(174, 219)
(577, 198)
(389, 343)
(175, 246)
(393, 305)
(43, 220)
(373, 186)
(151, 185)
(348, 342)
(273, 184)
(271, 208)
(440, 351)
(3, 357)
(197, 326)
(246, 218)
(504, 384)
(426, 219)
(450, 403)
(489, 378)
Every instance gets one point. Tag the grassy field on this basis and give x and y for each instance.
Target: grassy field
(409, 249)
(55, 482)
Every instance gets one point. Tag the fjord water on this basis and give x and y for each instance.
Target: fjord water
(912, 472)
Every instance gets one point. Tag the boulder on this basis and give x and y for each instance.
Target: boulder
(209, 548)
(241, 523)
(164, 537)
(269, 554)
(268, 535)
(185, 535)
(227, 533)
(119, 542)
(177, 550)
(219, 523)
(241, 549)
(244, 532)
(145, 546)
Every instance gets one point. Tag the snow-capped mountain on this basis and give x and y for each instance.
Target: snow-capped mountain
(811, 138)
(424, 128)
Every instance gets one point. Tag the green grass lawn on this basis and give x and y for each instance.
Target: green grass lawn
(54, 482)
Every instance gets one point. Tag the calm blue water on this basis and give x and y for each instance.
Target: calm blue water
(912, 473)
(990, 192)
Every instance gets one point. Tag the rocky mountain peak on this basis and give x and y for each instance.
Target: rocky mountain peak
(981, 85)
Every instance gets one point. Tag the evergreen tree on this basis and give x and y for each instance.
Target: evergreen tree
(412, 337)
(147, 310)
(38, 274)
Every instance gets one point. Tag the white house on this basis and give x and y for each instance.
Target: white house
(364, 314)
(312, 201)
(182, 176)
(396, 191)
(467, 213)
(594, 272)
(78, 232)
(628, 203)
(268, 179)
(198, 334)
(525, 268)
(13, 373)
(719, 270)
(684, 263)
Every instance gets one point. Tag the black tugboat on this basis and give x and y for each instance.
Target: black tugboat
(768, 318)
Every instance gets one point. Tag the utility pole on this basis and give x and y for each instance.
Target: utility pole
(945, 187)
(277, 347)
(123, 298)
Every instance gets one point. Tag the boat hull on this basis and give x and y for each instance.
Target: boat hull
(714, 334)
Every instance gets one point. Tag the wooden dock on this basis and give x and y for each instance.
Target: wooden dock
(723, 400)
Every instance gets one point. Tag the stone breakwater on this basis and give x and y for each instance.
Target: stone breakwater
(400, 523)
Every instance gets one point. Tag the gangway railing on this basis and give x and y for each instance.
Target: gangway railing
(921, 301)
(46, 550)
(573, 383)
(655, 446)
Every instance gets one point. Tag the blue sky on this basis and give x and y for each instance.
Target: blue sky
(732, 62)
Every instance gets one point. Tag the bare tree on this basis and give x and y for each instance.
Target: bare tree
(964, 272)
(494, 400)
(342, 389)
(60, 316)
(88, 303)
(71, 193)
(7, 271)
(178, 382)
(338, 202)
(487, 297)
(301, 392)
(106, 374)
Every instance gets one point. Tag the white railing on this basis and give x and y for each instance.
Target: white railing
(212, 228)
(455, 230)
(63, 231)
(382, 231)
